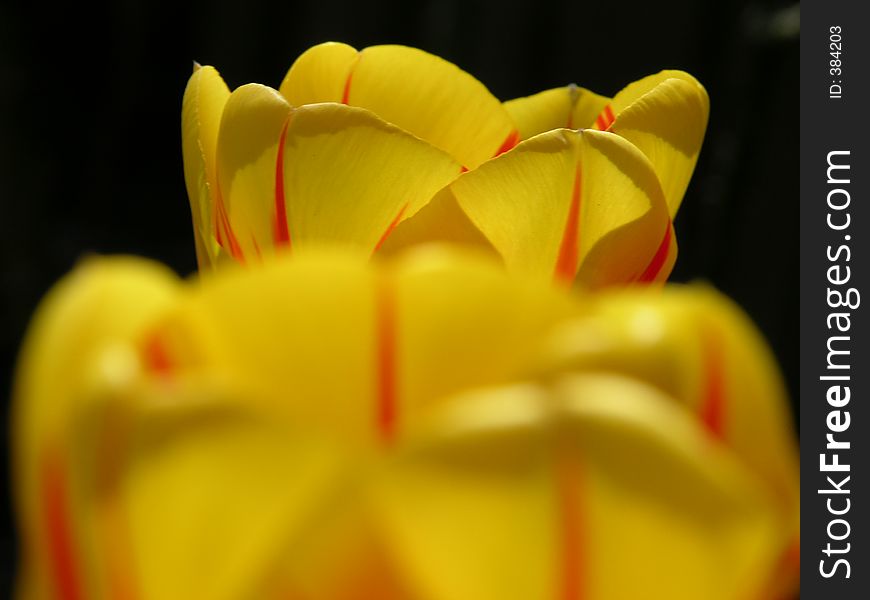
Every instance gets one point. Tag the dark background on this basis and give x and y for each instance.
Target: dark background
(90, 100)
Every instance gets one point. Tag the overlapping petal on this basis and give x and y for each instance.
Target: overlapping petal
(316, 174)
(599, 476)
(296, 167)
(664, 115)
(450, 434)
(415, 90)
(704, 354)
(570, 107)
(572, 205)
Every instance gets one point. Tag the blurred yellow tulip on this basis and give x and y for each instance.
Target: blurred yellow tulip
(432, 427)
(390, 147)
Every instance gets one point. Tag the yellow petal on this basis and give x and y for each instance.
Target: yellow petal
(247, 159)
(704, 353)
(85, 317)
(319, 74)
(419, 92)
(288, 331)
(350, 178)
(448, 341)
(206, 487)
(369, 367)
(522, 492)
(569, 204)
(569, 107)
(441, 220)
(204, 100)
(665, 115)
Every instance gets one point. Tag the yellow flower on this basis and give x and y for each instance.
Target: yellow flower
(390, 146)
(429, 427)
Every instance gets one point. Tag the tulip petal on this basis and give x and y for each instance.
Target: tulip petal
(568, 106)
(702, 351)
(441, 220)
(571, 204)
(369, 367)
(204, 100)
(665, 116)
(247, 155)
(320, 74)
(350, 178)
(287, 331)
(562, 472)
(447, 342)
(80, 324)
(218, 489)
(417, 91)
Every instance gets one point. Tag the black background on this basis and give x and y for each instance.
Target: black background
(90, 98)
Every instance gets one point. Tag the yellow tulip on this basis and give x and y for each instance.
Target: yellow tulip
(323, 427)
(389, 147)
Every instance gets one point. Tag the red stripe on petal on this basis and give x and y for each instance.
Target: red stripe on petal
(233, 243)
(345, 95)
(509, 142)
(566, 263)
(387, 409)
(659, 258)
(62, 557)
(282, 231)
(608, 112)
(605, 119)
(156, 357)
(391, 227)
(571, 551)
(712, 411)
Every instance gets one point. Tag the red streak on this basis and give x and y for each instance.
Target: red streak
(510, 141)
(62, 557)
(659, 258)
(713, 407)
(391, 227)
(282, 232)
(566, 264)
(217, 227)
(345, 96)
(234, 247)
(386, 362)
(572, 525)
(156, 357)
(605, 119)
